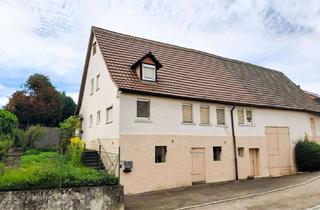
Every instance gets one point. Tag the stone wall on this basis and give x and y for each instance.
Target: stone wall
(95, 198)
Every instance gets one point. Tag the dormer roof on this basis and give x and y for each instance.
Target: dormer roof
(155, 61)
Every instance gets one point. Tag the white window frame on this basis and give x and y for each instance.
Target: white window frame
(143, 74)
(94, 48)
(188, 123)
(91, 86)
(224, 115)
(143, 119)
(90, 120)
(245, 117)
(109, 119)
(98, 117)
(98, 82)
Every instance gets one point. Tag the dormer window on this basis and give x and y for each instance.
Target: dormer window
(148, 72)
(146, 67)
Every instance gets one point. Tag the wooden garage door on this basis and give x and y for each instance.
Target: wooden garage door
(279, 152)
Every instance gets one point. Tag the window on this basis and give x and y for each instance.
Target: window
(187, 116)
(109, 115)
(160, 154)
(143, 108)
(240, 151)
(245, 117)
(98, 117)
(90, 121)
(148, 72)
(98, 82)
(204, 115)
(216, 153)
(92, 86)
(94, 48)
(220, 116)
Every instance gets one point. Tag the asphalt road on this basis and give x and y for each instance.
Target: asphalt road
(303, 197)
(297, 198)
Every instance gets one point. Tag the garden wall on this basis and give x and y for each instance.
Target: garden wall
(52, 138)
(101, 197)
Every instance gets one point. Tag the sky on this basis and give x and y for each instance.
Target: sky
(51, 36)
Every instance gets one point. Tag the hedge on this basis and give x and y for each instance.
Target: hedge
(307, 155)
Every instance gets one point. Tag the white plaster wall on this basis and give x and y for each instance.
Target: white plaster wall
(317, 119)
(166, 118)
(105, 97)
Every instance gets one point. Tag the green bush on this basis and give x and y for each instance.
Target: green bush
(5, 144)
(8, 122)
(307, 155)
(51, 170)
(1, 168)
(27, 138)
(76, 148)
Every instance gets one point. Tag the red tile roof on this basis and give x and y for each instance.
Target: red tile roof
(192, 74)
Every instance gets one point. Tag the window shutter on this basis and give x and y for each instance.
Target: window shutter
(148, 72)
(143, 108)
(204, 115)
(220, 116)
(240, 116)
(187, 113)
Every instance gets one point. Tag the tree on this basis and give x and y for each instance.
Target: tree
(8, 122)
(39, 102)
(69, 106)
(68, 129)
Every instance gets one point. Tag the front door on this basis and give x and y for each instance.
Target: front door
(254, 162)
(198, 164)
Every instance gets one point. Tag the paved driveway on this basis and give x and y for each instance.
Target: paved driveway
(199, 194)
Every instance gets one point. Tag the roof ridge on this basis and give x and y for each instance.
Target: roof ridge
(187, 49)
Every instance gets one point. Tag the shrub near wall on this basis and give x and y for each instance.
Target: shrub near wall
(307, 155)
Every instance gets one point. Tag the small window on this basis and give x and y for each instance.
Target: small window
(148, 72)
(249, 117)
(187, 116)
(240, 151)
(216, 153)
(245, 117)
(98, 117)
(143, 108)
(109, 115)
(94, 48)
(90, 121)
(92, 86)
(98, 82)
(160, 154)
(221, 116)
(204, 115)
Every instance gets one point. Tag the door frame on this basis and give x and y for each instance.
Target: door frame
(257, 151)
(204, 162)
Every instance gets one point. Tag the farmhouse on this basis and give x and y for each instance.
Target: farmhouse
(182, 116)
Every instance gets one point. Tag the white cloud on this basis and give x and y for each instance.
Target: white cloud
(51, 36)
(74, 96)
(5, 91)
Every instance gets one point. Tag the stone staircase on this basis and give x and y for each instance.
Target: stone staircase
(12, 159)
(92, 159)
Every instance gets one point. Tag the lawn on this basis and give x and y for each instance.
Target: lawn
(41, 170)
